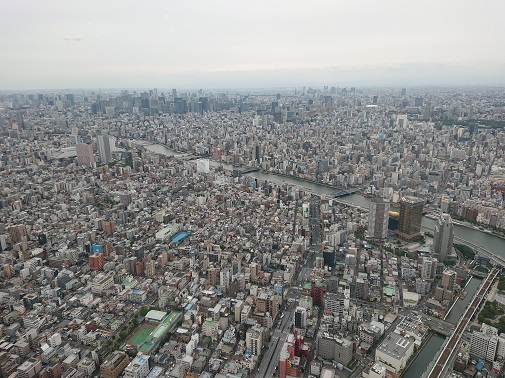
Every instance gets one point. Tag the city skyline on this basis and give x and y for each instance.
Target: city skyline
(222, 45)
(203, 234)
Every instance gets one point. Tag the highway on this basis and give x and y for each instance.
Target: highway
(451, 345)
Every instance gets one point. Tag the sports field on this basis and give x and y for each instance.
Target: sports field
(141, 335)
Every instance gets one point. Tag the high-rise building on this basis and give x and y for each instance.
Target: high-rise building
(411, 214)
(29, 368)
(96, 261)
(224, 278)
(150, 269)
(333, 347)
(483, 345)
(449, 277)
(290, 356)
(443, 237)
(378, 218)
(254, 339)
(267, 302)
(300, 317)
(329, 258)
(212, 276)
(104, 150)
(202, 166)
(84, 154)
(335, 303)
(428, 268)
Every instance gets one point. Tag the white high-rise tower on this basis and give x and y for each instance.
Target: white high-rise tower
(104, 150)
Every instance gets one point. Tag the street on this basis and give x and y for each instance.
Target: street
(283, 328)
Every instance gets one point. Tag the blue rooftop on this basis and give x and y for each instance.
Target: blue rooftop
(179, 237)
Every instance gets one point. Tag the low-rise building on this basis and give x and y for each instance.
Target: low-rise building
(114, 365)
(394, 352)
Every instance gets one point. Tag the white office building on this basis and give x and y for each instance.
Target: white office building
(394, 352)
(203, 166)
(138, 367)
(484, 346)
(104, 148)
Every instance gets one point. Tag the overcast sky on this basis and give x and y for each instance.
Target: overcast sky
(260, 43)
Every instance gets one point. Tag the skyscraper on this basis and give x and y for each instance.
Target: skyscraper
(84, 154)
(104, 150)
(411, 214)
(443, 237)
(378, 218)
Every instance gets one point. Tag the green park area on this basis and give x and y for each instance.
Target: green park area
(492, 314)
(467, 252)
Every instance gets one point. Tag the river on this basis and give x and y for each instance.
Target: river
(492, 243)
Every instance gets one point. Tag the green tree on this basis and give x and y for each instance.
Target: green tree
(132, 352)
(143, 311)
(466, 251)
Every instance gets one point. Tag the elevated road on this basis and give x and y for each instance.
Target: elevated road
(451, 345)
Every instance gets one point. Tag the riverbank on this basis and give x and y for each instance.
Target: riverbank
(494, 244)
(305, 180)
(458, 298)
(434, 216)
(418, 351)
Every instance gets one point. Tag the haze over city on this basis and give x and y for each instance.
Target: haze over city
(235, 44)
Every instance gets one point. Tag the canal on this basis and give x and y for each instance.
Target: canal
(431, 348)
(492, 243)
(425, 356)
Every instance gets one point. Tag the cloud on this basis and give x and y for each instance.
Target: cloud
(73, 38)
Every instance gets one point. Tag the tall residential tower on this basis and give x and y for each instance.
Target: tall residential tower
(378, 218)
(443, 237)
